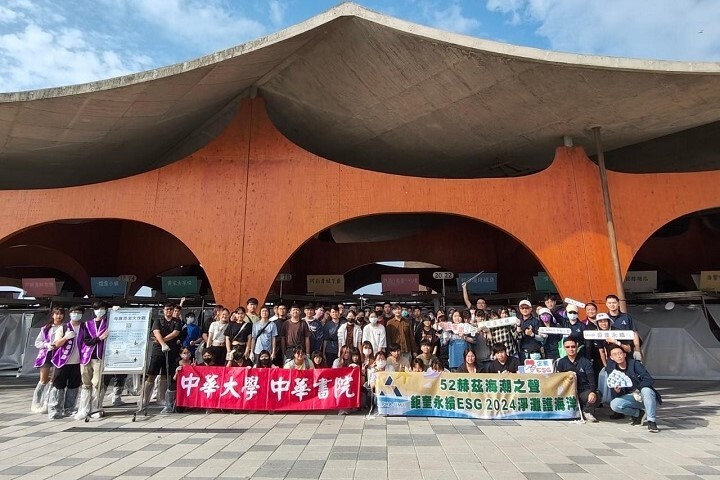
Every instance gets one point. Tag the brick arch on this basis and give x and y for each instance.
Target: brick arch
(46, 257)
(644, 203)
(132, 247)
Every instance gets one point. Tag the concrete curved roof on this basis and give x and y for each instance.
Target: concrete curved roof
(375, 92)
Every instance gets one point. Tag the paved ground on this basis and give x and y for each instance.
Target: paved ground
(330, 446)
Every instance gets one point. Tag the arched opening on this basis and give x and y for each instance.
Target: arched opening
(356, 253)
(73, 252)
(677, 252)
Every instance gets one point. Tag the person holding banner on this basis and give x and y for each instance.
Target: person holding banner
(66, 359)
(503, 362)
(586, 384)
(94, 332)
(639, 397)
(43, 361)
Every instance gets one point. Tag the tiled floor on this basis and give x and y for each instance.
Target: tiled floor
(278, 446)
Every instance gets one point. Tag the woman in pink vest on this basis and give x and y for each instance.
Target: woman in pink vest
(43, 362)
(94, 332)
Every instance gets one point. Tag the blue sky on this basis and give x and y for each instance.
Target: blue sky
(45, 43)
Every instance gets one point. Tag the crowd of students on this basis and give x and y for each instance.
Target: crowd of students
(388, 337)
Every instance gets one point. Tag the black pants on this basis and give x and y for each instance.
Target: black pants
(586, 406)
(158, 367)
(67, 376)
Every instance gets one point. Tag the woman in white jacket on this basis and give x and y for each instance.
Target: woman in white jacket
(375, 334)
(349, 333)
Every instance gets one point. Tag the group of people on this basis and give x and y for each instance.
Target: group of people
(388, 337)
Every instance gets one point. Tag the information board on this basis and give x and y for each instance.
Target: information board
(126, 346)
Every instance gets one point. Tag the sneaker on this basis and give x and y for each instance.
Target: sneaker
(652, 427)
(637, 421)
(589, 417)
(617, 416)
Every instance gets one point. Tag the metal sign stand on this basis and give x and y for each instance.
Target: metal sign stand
(126, 336)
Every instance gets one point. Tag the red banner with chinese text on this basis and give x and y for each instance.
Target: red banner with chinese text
(273, 389)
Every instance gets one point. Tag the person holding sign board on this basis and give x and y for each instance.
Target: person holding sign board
(623, 321)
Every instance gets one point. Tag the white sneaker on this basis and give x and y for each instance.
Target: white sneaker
(589, 417)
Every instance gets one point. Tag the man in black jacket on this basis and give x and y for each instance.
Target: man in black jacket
(586, 384)
(632, 400)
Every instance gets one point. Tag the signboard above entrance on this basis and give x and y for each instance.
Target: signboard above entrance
(325, 284)
(400, 283)
(39, 287)
(178, 286)
(640, 281)
(482, 283)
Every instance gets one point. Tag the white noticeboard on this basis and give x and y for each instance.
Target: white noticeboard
(126, 346)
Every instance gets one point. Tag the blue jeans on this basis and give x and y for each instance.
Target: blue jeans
(626, 404)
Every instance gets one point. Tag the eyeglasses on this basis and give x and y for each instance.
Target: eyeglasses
(524, 307)
(571, 347)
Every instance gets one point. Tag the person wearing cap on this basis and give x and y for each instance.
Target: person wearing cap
(623, 321)
(603, 323)
(585, 376)
(577, 329)
(530, 342)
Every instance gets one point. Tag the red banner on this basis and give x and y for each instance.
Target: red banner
(273, 389)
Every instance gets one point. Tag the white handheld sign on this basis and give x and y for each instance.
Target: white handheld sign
(500, 322)
(554, 331)
(603, 334)
(577, 303)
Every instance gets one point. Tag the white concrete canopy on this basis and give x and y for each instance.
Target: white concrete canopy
(375, 92)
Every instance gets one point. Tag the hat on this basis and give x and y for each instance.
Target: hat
(571, 308)
(544, 310)
(525, 303)
(602, 316)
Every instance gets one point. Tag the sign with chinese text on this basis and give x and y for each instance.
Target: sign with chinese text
(178, 286)
(498, 322)
(273, 389)
(39, 287)
(400, 283)
(709, 281)
(554, 331)
(603, 334)
(483, 283)
(107, 286)
(541, 367)
(461, 395)
(577, 303)
(543, 283)
(126, 345)
(640, 281)
(325, 284)
(458, 328)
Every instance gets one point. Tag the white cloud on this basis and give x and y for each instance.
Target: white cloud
(205, 23)
(668, 29)
(277, 12)
(453, 20)
(38, 48)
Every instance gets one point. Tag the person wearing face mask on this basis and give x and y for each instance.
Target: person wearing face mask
(265, 360)
(43, 361)
(584, 347)
(374, 333)
(66, 359)
(94, 332)
(349, 333)
(193, 334)
(550, 341)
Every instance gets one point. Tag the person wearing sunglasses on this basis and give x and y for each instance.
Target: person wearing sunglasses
(586, 384)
